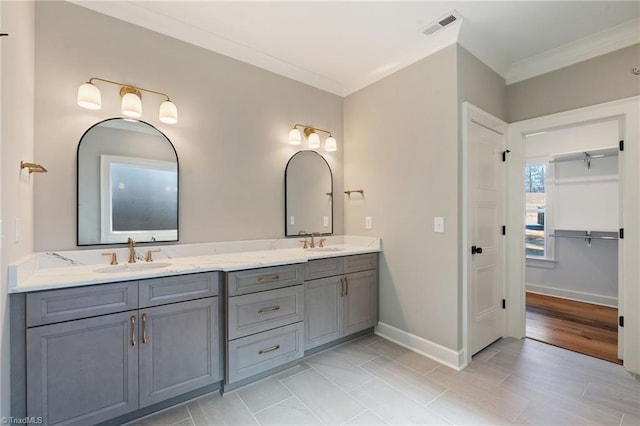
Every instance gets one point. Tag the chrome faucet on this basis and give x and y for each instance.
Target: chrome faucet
(132, 251)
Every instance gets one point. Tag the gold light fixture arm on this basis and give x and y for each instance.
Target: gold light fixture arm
(309, 129)
(349, 191)
(33, 167)
(126, 88)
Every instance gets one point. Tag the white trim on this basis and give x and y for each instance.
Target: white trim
(578, 296)
(627, 113)
(446, 356)
(598, 44)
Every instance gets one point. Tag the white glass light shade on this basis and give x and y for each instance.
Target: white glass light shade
(89, 96)
(168, 112)
(131, 105)
(330, 144)
(294, 137)
(314, 141)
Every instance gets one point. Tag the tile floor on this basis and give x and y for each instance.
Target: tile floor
(371, 381)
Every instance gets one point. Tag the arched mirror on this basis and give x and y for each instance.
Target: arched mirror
(127, 184)
(308, 195)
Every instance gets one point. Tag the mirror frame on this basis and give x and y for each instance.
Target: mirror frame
(78, 243)
(286, 213)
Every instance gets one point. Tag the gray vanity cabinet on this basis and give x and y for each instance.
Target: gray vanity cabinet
(178, 349)
(323, 311)
(82, 372)
(265, 313)
(106, 359)
(339, 305)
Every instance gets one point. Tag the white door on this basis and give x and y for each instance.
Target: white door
(485, 274)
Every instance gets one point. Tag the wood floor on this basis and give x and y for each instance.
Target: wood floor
(581, 327)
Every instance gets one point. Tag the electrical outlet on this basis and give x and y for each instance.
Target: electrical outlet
(292, 220)
(325, 221)
(368, 222)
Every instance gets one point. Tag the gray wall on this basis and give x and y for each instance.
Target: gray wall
(403, 151)
(16, 135)
(601, 79)
(231, 138)
(480, 85)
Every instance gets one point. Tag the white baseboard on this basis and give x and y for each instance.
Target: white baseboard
(578, 296)
(446, 356)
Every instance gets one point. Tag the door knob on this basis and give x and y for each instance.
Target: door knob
(476, 250)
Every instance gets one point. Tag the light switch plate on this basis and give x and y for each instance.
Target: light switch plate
(368, 222)
(292, 220)
(325, 220)
(438, 224)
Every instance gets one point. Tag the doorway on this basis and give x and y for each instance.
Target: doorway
(572, 216)
(627, 114)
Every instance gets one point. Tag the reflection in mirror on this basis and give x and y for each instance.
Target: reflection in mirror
(127, 184)
(308, 195)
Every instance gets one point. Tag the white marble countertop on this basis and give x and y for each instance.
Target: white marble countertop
(52, 270)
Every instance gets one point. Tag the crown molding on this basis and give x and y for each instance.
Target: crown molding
(615, 38)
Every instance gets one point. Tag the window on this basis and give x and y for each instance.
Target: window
(536, 244)
(139, 199)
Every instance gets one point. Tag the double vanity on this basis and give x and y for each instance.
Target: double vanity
(93, 342)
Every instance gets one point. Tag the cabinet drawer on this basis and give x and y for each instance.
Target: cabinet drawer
(253, 313)
(322, 268)
(160, 291)
(254, 280)
(257, 353)
(360, 262)
(48, 307)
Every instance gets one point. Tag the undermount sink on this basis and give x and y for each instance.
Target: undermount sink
(133, 267)
(325, 249)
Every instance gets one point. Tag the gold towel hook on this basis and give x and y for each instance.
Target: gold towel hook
(349, 191)
(33, 167)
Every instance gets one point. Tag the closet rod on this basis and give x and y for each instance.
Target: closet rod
(583, 237)
(584, 156)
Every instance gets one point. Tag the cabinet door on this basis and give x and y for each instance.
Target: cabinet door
(322, 311)
(83, 372)
(179, 348)
(361, 302)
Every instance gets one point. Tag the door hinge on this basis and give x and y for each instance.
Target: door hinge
(621, 235)
(621, 145)
(621, 321)
(504, 229)
(504, 155)
(504, 303)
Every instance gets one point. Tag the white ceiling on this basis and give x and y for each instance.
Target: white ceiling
(343, 46)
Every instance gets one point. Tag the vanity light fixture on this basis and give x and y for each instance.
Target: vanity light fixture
(89, 97)
(312, 136)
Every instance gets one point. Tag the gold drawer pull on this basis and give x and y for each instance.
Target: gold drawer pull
(269, 309)
(269, 278)
(346, 286)
(144, 328)
(341, 287)
(271, 349)
(133, 330)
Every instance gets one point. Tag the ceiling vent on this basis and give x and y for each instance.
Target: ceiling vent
(441, 23)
